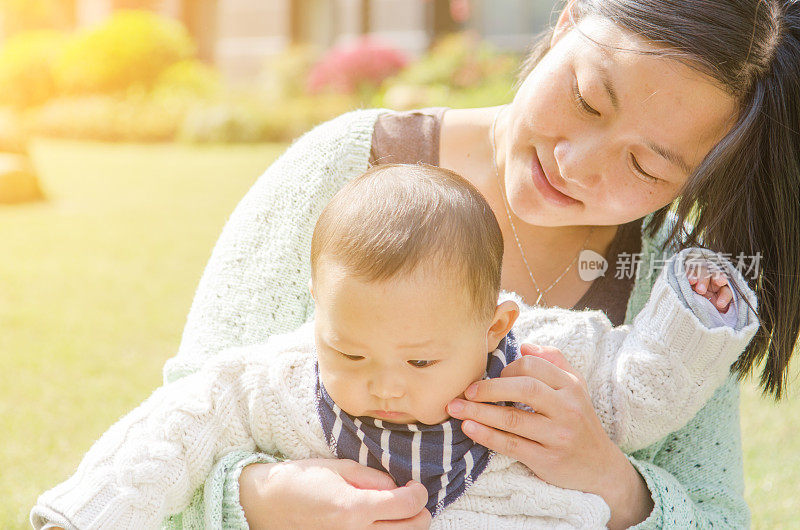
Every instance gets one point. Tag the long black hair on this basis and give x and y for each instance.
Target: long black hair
(744, 199)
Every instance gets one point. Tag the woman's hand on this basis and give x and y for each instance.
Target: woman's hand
(563, 441)
(327, 493)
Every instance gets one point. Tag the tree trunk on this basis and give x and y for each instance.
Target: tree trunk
(200, 18)
(366, 16)
(441, 21)
(297, 10)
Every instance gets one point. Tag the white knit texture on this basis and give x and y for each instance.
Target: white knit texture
(149, 464)
(649, 378)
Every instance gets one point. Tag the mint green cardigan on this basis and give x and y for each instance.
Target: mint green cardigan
(256, 284)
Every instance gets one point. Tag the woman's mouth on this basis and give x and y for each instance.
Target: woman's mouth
(546, 188)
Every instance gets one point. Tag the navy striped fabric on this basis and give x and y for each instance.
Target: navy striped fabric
(441, 456)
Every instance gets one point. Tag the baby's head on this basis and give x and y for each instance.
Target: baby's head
(405, 275)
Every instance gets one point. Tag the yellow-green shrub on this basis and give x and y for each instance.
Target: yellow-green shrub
(244, 118)
(12, 137)
(187, 81)
(133, 118)
(131, 48)
(460, 70)
(26, 67)
(284, 75)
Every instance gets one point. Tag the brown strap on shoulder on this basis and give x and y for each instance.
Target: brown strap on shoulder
(407, 137)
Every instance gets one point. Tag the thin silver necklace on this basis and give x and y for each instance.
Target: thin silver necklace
(539, 292)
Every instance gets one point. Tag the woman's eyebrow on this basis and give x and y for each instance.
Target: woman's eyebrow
(605, 76)
(670, 155)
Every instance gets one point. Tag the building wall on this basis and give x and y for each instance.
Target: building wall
(512, 24)
(90, 12)
(248, 32)
(402, 24)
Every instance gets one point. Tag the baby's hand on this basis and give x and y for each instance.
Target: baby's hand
(711, 283)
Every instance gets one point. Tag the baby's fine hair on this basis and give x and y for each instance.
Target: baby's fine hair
(397, 217)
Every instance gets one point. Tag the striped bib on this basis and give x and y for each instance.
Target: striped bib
(440, 456)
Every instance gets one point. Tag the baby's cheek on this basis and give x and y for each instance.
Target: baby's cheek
(429, 405)
(436, 415)
(344, 396)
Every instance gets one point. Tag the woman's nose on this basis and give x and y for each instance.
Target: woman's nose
(579, 163)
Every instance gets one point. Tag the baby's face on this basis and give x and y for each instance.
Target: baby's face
(397, 350)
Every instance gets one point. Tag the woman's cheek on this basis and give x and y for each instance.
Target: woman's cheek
(622, 202)
(649, 199)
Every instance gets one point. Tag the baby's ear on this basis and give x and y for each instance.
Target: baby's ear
(564, 23)
(311, 288)
(504, 317)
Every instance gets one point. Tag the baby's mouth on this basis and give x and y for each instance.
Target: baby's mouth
(386, 414)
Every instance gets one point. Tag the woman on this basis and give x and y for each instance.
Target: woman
(628, 108)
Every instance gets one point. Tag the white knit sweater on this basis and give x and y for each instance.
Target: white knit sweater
(645, 381)
(255, 286)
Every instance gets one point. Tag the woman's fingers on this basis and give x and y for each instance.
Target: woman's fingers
(550, 354)
(522, 389)
(420, 521)
(511, 445)
(553, 356)
(363, 477)
(541, 368)
(385, 505)
(510, 419)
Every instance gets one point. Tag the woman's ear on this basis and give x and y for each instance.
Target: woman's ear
(566, 21)
(504, 317)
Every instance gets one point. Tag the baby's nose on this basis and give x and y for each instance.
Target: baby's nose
(386, 387)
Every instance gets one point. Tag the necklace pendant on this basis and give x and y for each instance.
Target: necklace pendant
(540, 292)
(541, 295)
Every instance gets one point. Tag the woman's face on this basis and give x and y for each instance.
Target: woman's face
(599, 136)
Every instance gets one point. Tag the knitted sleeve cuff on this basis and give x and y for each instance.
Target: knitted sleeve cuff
(674, 507)
(221, 494)
(685, 262)
(671, 503)
(669, 320)
(44, 518)
(670, 364)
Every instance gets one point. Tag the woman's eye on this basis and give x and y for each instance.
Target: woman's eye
(576, 94)
(638, 169)
(421, 364)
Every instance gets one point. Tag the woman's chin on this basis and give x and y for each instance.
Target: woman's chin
(534, 211)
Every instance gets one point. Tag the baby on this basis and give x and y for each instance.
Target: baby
(406, 264)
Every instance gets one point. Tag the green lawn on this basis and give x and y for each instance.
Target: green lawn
(95, 285)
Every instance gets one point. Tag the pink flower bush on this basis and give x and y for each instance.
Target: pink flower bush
(354, 67)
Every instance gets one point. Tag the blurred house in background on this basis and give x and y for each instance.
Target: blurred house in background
(237, 35)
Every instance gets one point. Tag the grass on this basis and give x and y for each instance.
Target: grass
(95, 285)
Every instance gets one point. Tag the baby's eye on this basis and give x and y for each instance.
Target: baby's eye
(421, 364)
(351, 357)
